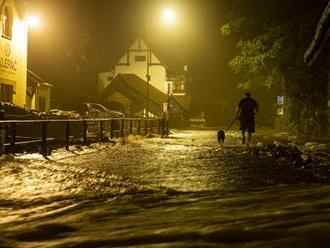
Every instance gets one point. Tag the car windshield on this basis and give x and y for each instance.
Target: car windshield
(99, 107)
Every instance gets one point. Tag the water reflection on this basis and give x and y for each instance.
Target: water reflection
(163, 192)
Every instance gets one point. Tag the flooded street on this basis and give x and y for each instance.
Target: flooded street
(182, 191)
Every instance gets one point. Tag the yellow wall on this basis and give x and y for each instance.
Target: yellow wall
(13, 57)
(42, 92)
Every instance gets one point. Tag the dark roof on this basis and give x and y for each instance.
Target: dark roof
(140, 85)
(132, 83)
(137, 84)
(34, 79)
(182, 101)
(321, 36)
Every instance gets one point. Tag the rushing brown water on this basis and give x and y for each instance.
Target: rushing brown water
(184, 191)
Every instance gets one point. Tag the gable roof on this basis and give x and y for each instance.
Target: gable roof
(321, 36)
(171, 67)
(132, 83)
(37, 81)
(138, 85)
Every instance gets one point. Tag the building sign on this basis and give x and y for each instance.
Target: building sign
(280, 100)
(7, 61)
(175, 77)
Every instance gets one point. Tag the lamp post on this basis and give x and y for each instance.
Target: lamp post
(168, 17)
(148, 71)
(33, 21)
(168, 107)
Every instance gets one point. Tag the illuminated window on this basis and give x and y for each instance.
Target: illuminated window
(182, 86)
(7, 22)
(140, 58)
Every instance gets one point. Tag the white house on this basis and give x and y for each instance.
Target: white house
(168, 80)
(134, 61)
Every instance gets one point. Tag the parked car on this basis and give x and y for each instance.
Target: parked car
(9, 111)
(93, 110)
(60, 114)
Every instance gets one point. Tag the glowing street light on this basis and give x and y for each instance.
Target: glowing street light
(168, 16)
(33, 21)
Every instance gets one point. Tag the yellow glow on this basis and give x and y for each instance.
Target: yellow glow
(169, 16)
(33, 21)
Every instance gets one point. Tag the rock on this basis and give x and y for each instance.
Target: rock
(304, 157)
(260, 144)
(10, 157)
(149, 135)
(310, 144)
(276, 143)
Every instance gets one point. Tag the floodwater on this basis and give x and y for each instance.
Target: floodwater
(183, 191)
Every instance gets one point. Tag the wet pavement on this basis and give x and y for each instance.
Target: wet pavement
(182, 191)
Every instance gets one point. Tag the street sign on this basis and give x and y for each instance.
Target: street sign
(280, 100)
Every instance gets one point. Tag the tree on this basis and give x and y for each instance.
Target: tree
(272, 37)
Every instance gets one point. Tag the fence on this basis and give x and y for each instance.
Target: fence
(44, 134)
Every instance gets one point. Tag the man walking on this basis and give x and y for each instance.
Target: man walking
(246, 110)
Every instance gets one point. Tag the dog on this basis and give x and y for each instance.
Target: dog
(221, 136)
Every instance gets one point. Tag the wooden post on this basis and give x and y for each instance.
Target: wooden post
(2, 138)
(111, 129)
(44, 138)
(139, 126)
(12, 137)
(122, 126)
(101, 131)
(151, 126)
(159, 126)
(163, 127)
(130, 130)
(167, 129)
(67, 135)
(145, 126)
(85, 132)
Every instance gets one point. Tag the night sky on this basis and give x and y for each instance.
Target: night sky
(80, 38)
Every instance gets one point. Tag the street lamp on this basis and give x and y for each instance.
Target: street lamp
(168, 17)
(148, 72)
(33, 21)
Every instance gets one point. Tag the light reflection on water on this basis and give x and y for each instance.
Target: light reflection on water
(170, 193)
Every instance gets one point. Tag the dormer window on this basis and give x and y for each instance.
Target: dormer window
(7, 22)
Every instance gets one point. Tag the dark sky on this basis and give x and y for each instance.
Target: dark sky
(79, 38)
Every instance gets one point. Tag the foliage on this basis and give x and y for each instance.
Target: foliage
(271, 40)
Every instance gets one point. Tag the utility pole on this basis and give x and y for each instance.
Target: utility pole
(148, 70)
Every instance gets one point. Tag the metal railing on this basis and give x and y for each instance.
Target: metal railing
(42, 134)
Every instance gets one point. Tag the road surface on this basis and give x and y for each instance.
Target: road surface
(182, 191)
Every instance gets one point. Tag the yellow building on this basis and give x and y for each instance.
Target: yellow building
(13, 54)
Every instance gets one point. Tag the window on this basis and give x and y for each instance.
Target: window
(182, 86)
(6, 93)
(42, 104)
(140, 58)
(7, 22)
(179, 87)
